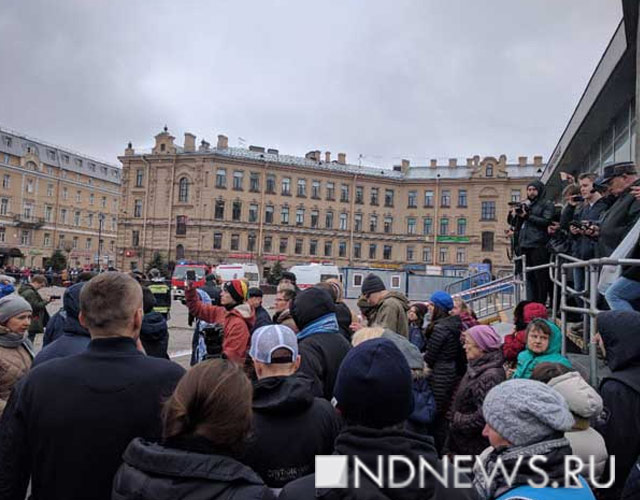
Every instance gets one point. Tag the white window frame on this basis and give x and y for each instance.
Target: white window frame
(393, 280)
(359, 276)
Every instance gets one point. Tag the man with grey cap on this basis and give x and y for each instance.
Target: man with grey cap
(291, 426)
(526, 418)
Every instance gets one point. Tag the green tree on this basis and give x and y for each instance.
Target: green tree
(58, 261)
(159, 263)
(275, 273)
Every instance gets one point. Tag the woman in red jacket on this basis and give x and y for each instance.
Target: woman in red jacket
(524, 313)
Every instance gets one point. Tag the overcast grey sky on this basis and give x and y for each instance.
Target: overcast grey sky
(391, 79)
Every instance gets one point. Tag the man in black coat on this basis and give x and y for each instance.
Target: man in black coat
(285, 411)
(255, 301)
(68, 425)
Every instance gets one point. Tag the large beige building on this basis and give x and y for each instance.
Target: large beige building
(51, 198)
(226, 204)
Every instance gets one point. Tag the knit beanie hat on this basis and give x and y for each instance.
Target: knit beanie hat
(442, 299)
(485, 336)
(526, 411)
(311, 304)
(11, 306)
(237, 289)
(373, 387)
(372, 284)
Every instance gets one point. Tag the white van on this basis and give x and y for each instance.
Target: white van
(310, 274)
(249, 272)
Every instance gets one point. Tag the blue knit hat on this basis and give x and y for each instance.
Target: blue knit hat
(442, 299)
(374, 387)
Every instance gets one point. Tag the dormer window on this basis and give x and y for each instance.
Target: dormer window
(489, 171)
(161, 147)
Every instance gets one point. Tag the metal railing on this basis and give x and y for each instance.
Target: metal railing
(490, 299)
(472, 281)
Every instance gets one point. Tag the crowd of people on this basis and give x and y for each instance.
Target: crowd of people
(102, 412)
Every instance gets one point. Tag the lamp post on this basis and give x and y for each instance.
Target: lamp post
(100, 223)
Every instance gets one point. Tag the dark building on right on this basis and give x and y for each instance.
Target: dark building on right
(602, 129)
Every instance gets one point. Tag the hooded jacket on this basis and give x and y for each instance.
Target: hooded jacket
(391, 313)
(236, 323)
(285, 411)
(516, 342)
(533, 232)
(528, 360)
(617, 222)
(620, 391)
(154, 335)
(16, 356)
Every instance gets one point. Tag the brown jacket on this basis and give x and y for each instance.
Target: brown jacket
(14, 363)
(285, 318)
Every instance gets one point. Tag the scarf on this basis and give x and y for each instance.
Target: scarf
(12, 340)
(324, 324)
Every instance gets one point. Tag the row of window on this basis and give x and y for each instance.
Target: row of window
(66, 217)
(26, 238)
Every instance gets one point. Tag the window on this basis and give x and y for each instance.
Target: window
(234, 244)
(487, 241)
(411, 225)
(74, 242)
(104, 202)
(29, 186)
(372, 250)
(359, 195)
(357, 250)
(331, 191)
(328, 220)
(49, 190)
(113, 223)
(461, 255)
(300, 217)
(6, 180)
(78, 196)
(343, 221)
(65, 193)
(137, 208)
(315, 190)
(427, 226)
(428, 199)
(112, 246)
(515, 195)
(357, 280)
(4, 206)
(48, 213)
(374, 196)
(236, 211)
(298, 249)
(63, 216)
(344, 192)
(183, 190)
(251, 242)
(395, 281)
(462, 198)
(443, 255)
(271, 184)
(61, 241)
(253, 212)
(91, 198)
(286, 186)
(327, 248)
(313, 247)
(445, 198)
(412, 199)
(27, 210)
(46, 241)
(25, 237)
(76, 218)
(284, 244)
(238, 178)
(426, 254)
(89, 244)
(135, 238)
(181, 225)
(90, 220)
(217, 241)
(284, 215)
(268, 214)
(342, 249)
(358, 222)
(7, 140)
(114, 204)
(488, 210)
(386, 252)
(302, 188)
(489, 171)
(462, 227)
(388, 197)
(410, 253)
(444, 226)
(254, 182)
(218, 212)
(139, 177)
(221, 178)
(388, 225)
(373, 223)
(314, 219)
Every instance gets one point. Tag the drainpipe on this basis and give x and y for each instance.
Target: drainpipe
(353, 218)
(436, 225)
(173, 179)
(146, 208)
(260, 218)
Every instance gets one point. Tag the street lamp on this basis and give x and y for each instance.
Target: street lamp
(100, 223)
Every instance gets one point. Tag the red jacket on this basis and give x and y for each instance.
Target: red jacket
(236, 324)
(517, 341)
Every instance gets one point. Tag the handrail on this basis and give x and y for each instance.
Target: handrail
(449, 287)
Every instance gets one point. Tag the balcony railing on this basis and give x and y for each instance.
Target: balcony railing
(28, 221)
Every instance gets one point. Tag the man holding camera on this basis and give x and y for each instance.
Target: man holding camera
(532, 218)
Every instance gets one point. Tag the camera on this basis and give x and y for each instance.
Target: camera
(521, 207)
(577, 197)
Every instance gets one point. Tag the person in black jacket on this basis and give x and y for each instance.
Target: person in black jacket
(285, 411)
(532, 221)
(262, 316)
(343, 313)
(154, 333)
(620, 391)
(68, 425)
(205, 424)
(322, 347)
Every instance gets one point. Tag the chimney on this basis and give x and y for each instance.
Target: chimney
(342, 158)
(129, 151)
(476, 160)
(223, 142)
(327, 156)
(272, 151)
(522, 161)
(256, 149)
(204, 146)
(469, 162)
(453, 162)
(502, 159)
(405, 166)
(537, 161)
(189, 142)
(397, 168)
(434, 163)
(313, 155)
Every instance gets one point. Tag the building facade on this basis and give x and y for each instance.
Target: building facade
(52, 198)
(225, 204)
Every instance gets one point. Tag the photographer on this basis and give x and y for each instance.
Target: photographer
(530, 220)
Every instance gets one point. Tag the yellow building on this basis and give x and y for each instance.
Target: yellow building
(226, 204)
(51, 198)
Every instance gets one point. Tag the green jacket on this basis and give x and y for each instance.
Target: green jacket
(391, 313)
(527, 360)
(38, 304)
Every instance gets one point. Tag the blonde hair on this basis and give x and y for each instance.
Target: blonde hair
(285, 286)
(338, 288)
(371, 332)
(461, 304)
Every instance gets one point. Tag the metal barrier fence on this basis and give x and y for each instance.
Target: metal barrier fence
(472, 281)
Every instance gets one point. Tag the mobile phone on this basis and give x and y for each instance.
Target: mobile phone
(191, 275)
(577, 197)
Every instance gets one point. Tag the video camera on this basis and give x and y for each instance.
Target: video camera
(585, 225)
(521, 207)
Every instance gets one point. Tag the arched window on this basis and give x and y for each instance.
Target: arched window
(183, 192)
(179, 252)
